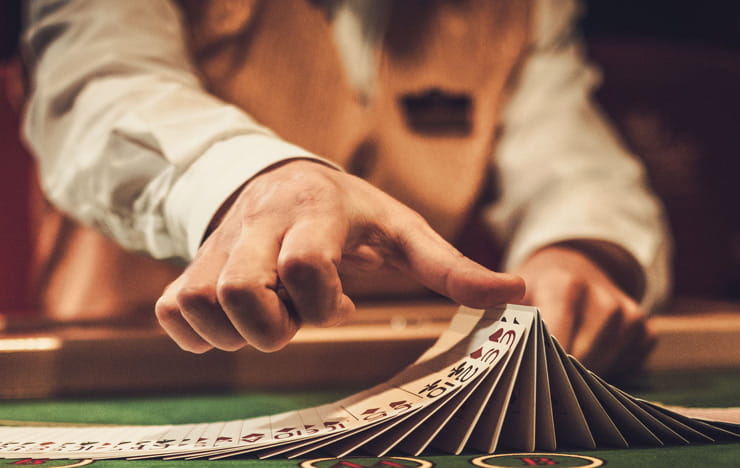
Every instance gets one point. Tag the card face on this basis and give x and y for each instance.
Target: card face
(179, 436)
(363, 439)
(518, 431)
(489, 421)
(487, 429)
(391, 439)
(336, 443)
(463, 421)
(443, 426)
(491, 344)
(493, 379)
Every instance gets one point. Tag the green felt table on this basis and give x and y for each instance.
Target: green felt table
(696, 388)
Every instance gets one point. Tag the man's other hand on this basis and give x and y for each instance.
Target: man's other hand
(586, 311)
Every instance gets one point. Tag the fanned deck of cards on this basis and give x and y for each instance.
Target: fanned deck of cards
(493, 381)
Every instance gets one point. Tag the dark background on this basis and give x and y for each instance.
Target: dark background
(671, 84)
(710, 22)
(713, 23)
(10, 18)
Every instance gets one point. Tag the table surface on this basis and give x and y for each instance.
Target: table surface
(62, 359)
(695, 388)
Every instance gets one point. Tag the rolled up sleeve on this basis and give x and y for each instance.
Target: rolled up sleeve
(127, 139)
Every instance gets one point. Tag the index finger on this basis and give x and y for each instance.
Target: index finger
(438, 265)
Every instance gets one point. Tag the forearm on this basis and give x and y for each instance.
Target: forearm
(126, 137)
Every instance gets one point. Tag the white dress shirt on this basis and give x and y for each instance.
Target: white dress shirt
(128, 140)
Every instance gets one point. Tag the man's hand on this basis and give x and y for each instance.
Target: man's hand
(586, 311)
(273, 261)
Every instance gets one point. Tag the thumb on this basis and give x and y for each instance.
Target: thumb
(439, 266)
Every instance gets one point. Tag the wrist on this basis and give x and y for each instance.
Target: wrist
(621, 267)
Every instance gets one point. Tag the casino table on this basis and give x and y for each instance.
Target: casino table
(695, 388)
(686, 380)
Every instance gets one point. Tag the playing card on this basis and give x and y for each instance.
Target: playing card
(518, 431)
(603, 429)
(660, 430)
(173, 441)
(631, 430)
(571, 428)
(487, 429)
(493, 379)
(545, 421)
(379, 446)
(688, 433)
(442, 427)
(714, 432)
(459, 427)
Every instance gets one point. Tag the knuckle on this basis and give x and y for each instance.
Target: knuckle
(195, 296)
(270, 335)
(253, 315)
(165, 311)
(304, 267)
(238, 293)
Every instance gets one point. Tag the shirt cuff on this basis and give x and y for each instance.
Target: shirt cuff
(201, 190)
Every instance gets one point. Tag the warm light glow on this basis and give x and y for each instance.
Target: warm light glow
(29, 344)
